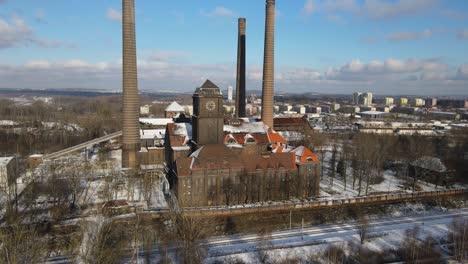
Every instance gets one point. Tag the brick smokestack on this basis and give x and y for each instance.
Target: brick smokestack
(269, 65)
(130, 115)
(240, 84)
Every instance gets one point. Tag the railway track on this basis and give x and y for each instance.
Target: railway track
(300, 237)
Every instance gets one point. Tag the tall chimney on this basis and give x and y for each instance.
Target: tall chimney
(240, 84)
(269, 65)
(130, 123)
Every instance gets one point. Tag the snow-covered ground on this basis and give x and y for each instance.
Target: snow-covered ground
(392, 182)
(102, 180)
(310, 243)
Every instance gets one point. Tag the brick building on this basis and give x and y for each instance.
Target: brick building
(213, 161)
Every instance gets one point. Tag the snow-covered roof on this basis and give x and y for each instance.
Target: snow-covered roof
(299, 150)
(152, 167)
(183, 129)
(372, 113)
(181, 148)
(4, 161)
(174, 107)
(246, 127)
(156, 121)
(430, 163)
(152, 133)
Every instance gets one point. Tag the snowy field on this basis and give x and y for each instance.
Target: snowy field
(392, 182)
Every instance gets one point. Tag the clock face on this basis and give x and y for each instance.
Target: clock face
(210, 105)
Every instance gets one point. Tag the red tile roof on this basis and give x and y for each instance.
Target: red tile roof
(275, 137)
(305, 155)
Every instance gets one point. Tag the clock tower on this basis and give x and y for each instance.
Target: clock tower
(207, 120)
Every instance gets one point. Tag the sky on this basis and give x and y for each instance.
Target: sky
(322, 46)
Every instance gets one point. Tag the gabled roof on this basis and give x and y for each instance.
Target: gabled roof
(275, 137)
(174, 107)
(215, 156)
(209, 84)
(304, 155)
(208, 88)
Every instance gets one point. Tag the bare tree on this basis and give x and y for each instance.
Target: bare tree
(459, 237)
(103, 241)
(228, 190)
(264, 243)
(21, 244)
(334, 255)
(188, 231)
(412, 246)
(363, 228)
(332, 171)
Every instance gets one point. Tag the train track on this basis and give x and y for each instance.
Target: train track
(300, 237)
(82, 146)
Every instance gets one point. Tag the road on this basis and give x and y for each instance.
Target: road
(315, 235)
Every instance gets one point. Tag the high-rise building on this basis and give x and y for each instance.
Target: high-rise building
(367, 99)
(431, 102)
(389, 101)
(362, 98)
(269, 65)
(131, 107)
(418, 102)
(403, 101)
(356, 97)
(230, 93)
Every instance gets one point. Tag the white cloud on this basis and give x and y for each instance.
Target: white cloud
(341, 5)
(161, 70)
(373, 9)
(463, 34)
(114, 15)
(309, 7)
(462, 72)
(409, 35)
(167, 55)
(219, 11)
(17, 33)
(389, 68)
(380, 9)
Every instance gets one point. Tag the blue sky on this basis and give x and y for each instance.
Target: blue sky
(325, 46)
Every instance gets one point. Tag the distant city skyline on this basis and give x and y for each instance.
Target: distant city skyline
(415, 47)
